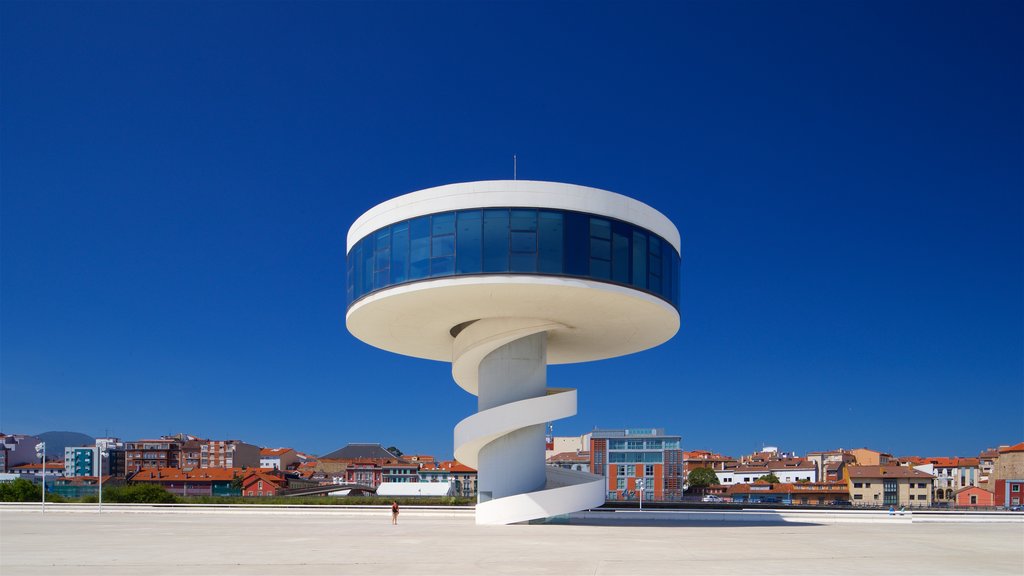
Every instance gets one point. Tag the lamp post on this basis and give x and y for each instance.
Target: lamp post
(100, 452)
(41, 452)
(640, 490)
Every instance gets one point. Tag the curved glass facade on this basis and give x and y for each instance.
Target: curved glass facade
(534, 241)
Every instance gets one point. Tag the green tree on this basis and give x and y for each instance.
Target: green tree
(20, 490)
(394, 450)
(701, 478)
(770, 478)
(139, 494)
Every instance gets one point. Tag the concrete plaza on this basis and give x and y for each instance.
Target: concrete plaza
(151, 543)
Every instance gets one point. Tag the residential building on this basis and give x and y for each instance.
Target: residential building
(823, 459)
(34, 472)
(625, 456)
(788, 470)
(261, 483)
(228, 454)
(80, 461)
(401, 472)
(462, 477)
(706, 459)
(869, 457)
(974, 496)
(811, 493)
(563, 444)
(278, 458)
(153, 453)
(889, 486)
(17, 449)
(1008, 476)
(571, 461)
(190, 481)
(986, 464)
(834, 472)
(951, 474)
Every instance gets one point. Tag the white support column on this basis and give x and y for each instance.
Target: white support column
(513, 463)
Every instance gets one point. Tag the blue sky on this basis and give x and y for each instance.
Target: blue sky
(178, 179)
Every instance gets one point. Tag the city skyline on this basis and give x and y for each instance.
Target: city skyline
(177, 182)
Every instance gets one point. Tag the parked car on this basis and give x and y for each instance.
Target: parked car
(712, 498)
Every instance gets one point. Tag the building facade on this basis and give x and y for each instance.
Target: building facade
(625, 456)
(884, 486)
(153, 453)
(228, 454)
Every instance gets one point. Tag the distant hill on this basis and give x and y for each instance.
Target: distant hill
(57, 441)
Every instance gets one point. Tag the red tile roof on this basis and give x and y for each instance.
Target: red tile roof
(55, 465)
(570, 457)
(192, 475)
(809, 488)
(274, 451)
(1014, 448)
(885, 471)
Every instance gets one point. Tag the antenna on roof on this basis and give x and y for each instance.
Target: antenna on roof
(514, 167)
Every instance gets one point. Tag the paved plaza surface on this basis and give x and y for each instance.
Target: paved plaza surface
(298, 543)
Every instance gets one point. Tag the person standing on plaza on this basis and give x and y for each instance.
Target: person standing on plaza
(394, 512)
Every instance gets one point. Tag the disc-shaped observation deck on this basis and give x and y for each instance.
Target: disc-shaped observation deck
(502, 278)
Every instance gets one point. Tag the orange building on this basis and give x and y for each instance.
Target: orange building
(974, 496)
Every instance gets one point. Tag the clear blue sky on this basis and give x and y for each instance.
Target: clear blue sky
(178, 179)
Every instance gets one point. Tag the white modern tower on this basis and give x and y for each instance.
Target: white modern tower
(502, 278)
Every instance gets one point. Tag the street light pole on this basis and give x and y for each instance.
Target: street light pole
(99, 473)
(41, 452)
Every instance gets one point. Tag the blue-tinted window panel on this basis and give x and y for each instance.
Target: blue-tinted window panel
(496, 241)
(600, 268)
(442, 246)
(524, 220)
(620, 258)
(469, 241)
(524, 242)
(577, 244)
(443, 266)
(442, 223)
(601, 249)
(399, 253)
(550, 240)
(523, 262)
(639, 259)
(367, 265)
(600, 228)
(419, 248)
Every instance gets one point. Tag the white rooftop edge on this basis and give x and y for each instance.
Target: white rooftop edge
(514, 194)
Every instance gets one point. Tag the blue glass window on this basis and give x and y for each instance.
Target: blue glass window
(501, 240)
(367, 265)
(549, 242)
(600, 248)
(577, 244)
(654, 264)
(639, 259)
(469, 245)
(495, 240)
(382, 258)
(620, 258)
(399, 252)
(523, 257)
(419, 248)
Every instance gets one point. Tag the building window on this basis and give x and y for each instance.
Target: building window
(858, 496)
(1015, 488)
(974, 499)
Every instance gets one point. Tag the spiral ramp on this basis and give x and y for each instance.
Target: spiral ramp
(538, 493)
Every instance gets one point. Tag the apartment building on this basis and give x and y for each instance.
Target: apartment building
(228, 454)
(889, 486)
(626, 456)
